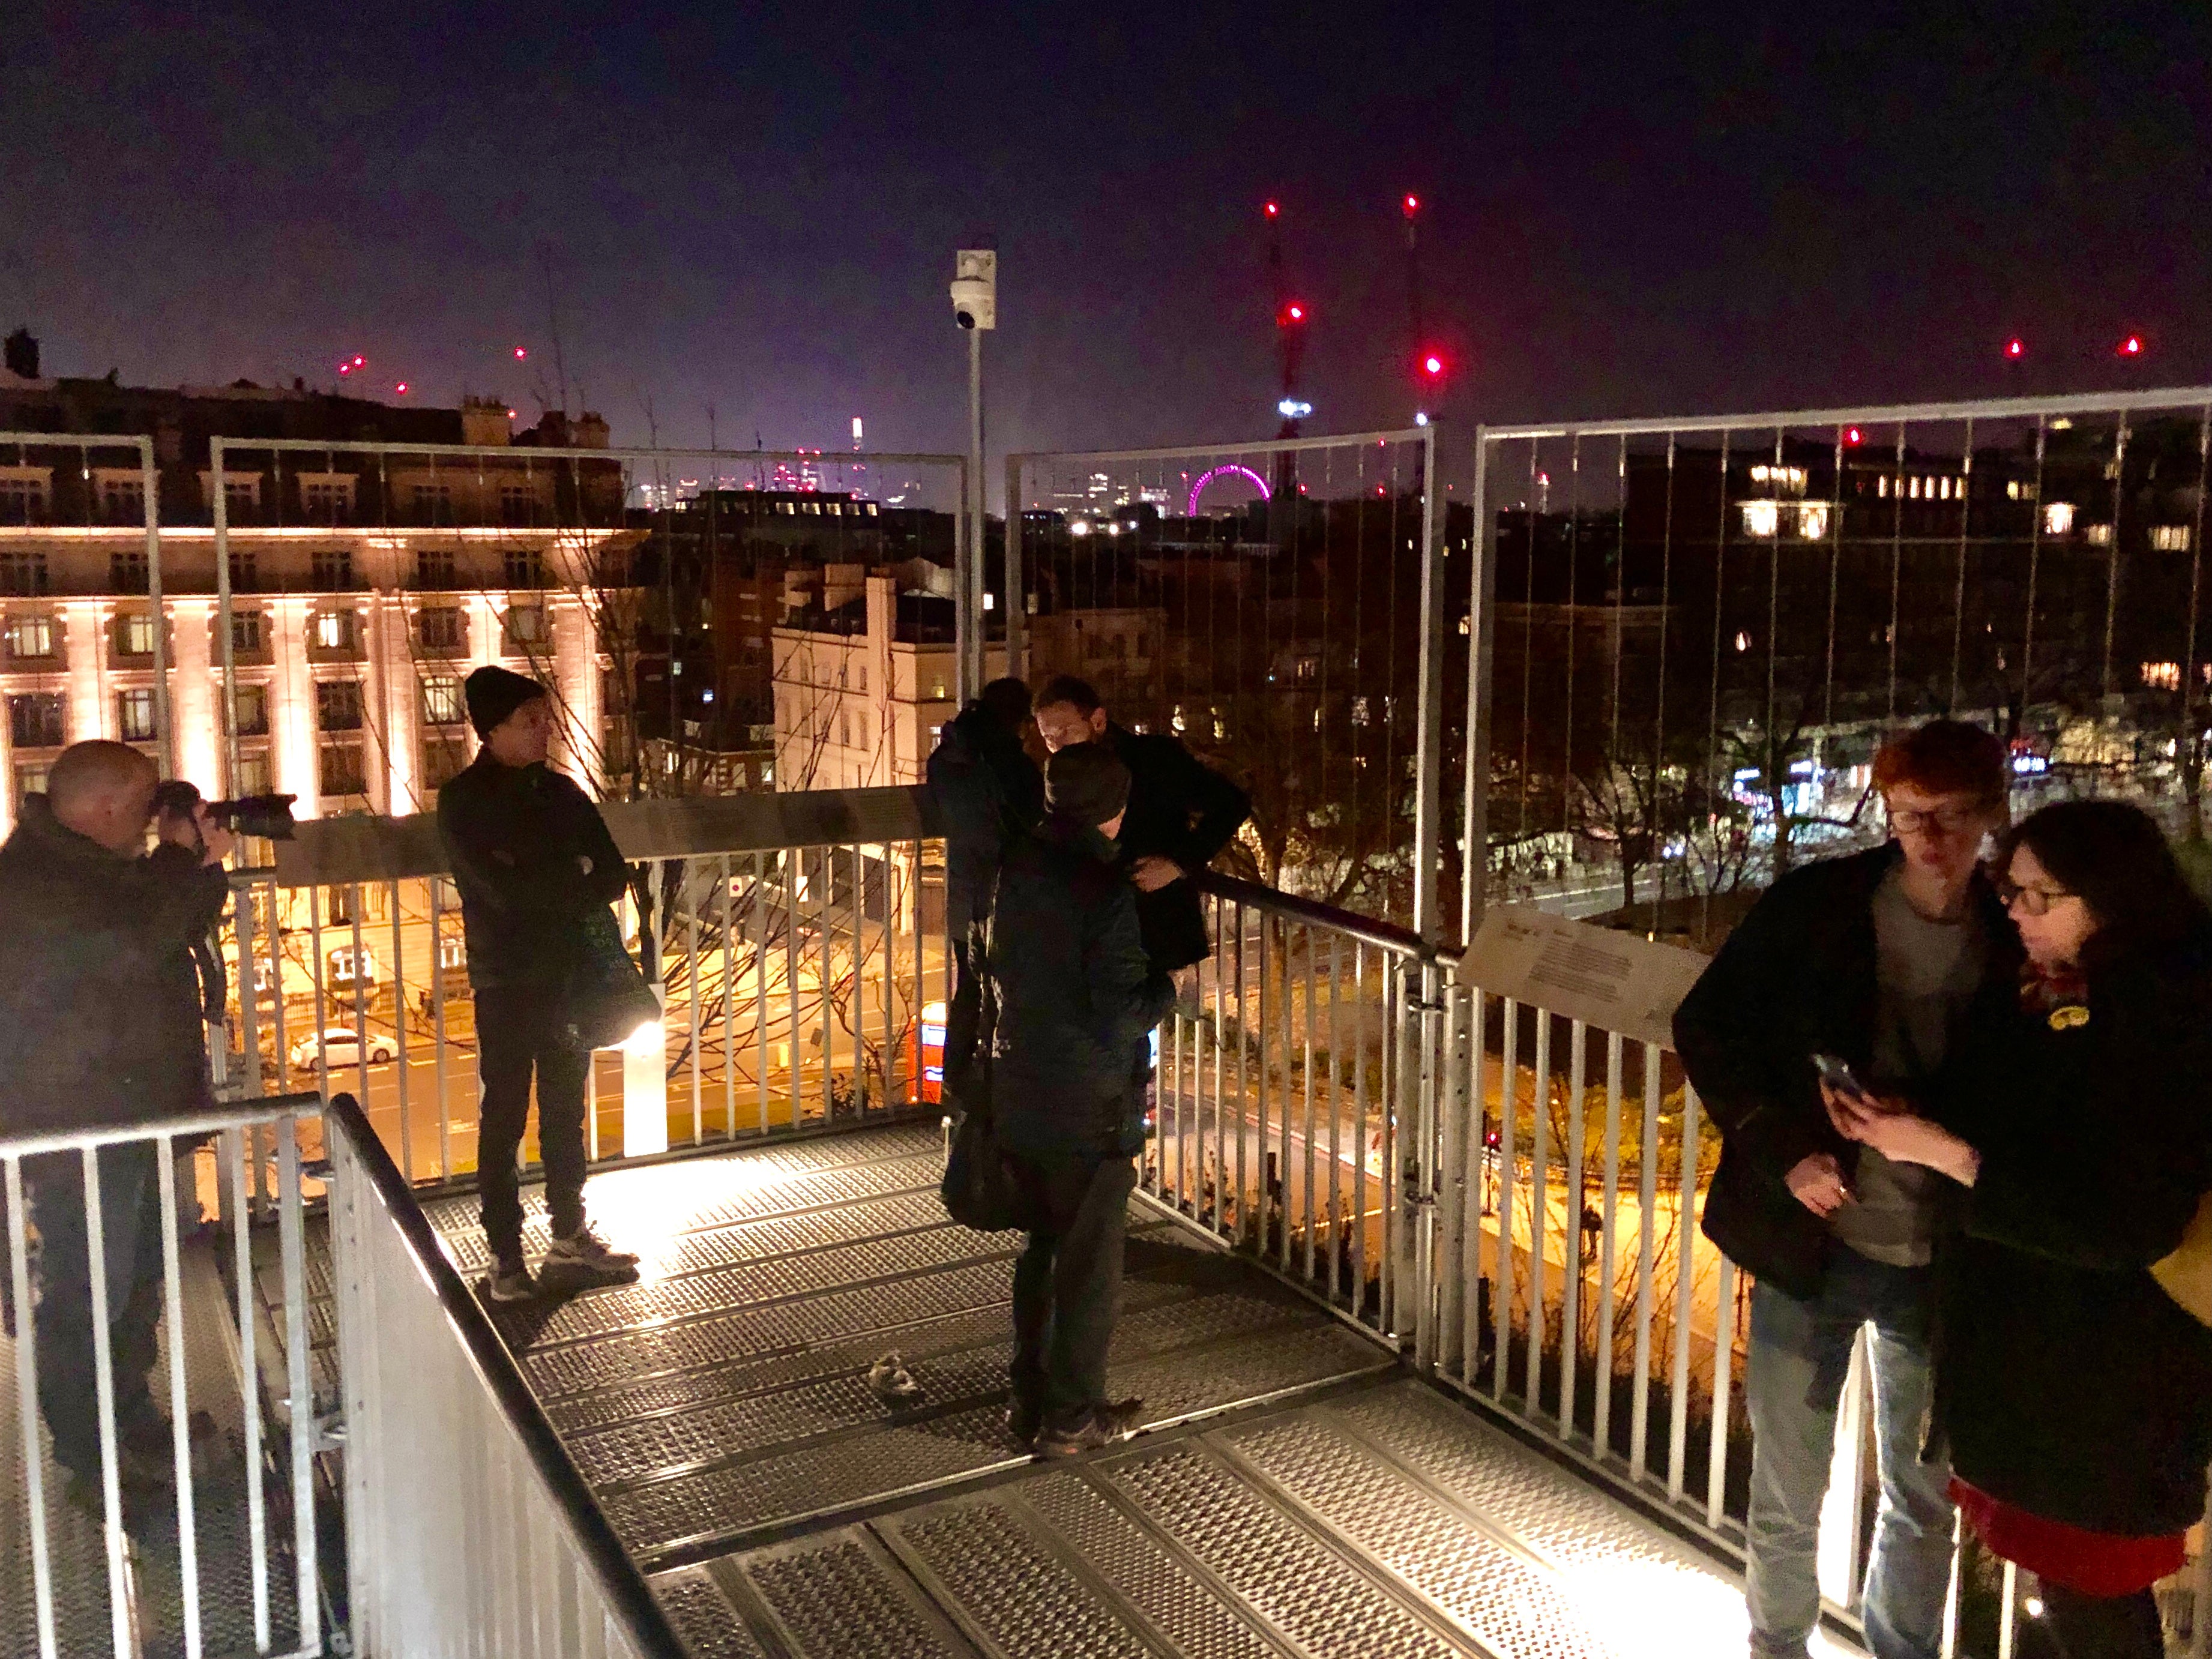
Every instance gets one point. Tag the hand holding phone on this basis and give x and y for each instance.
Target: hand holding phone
(1837, 1073)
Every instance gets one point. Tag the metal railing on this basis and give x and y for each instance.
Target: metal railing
(112, 1561)
(469, 1528)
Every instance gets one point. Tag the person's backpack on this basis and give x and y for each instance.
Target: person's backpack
(977, 1190)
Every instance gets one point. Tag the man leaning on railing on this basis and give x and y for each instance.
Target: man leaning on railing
(101, 1023)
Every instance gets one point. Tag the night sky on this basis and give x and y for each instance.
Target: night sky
(755, 206)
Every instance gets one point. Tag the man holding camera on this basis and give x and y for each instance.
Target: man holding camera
(100, 1022)
(531, 857)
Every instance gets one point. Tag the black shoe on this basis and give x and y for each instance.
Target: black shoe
(509, 1281)
(1099, 1427)
(583, 1258)
(1023, 1419)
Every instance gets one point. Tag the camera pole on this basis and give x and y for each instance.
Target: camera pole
(971, 669)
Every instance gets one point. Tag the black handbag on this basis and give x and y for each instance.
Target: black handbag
(607, 997)
(978, 1188)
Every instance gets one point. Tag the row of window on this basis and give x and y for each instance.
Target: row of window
(33, 637)
(40, 719)
(119, 497)
(27, 571)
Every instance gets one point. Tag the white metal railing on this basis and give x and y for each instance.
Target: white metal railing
(469, 1529)
(127, 1567)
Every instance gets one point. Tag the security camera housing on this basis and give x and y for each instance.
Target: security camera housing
(975, 288)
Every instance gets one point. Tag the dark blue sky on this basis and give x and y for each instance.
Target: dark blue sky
(755, 206)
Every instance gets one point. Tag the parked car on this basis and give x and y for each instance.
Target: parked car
(340, 1046)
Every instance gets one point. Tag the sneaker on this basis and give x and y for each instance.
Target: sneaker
(892, 1381)
(1023, 1419)
(583, 1258)
(509, 1281)
(1100, 1426)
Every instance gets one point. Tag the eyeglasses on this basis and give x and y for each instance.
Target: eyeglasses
(2034, 901)
(1945, 820)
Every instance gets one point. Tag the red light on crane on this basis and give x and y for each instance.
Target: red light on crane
(1432, 364)
(1413, 205)
(401, 388)
(520, 352)
(2132, 346)
(1273, 208)
(1292, 312)
(2015, 347)
(1853, 435)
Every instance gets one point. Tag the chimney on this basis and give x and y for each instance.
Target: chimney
(21, 355)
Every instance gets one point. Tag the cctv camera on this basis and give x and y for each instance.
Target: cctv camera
(975, 288)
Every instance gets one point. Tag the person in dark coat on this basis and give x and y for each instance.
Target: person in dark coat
(532, 858)
(99, 1023)
(988, 793)
(2076, 1394)
(1879, 959)
(1181, 814)
(1075, 994)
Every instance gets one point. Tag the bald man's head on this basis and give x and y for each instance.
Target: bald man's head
(104, 791)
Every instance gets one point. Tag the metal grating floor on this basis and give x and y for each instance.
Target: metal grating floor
(1296, 1494)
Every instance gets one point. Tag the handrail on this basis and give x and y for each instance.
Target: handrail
(617, 1576)
(1384, 935)
(246, 1115)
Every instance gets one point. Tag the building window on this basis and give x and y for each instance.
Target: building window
(134, 715)
(251, 704)
(249, 632)
(1813, 520)
(126, 571)
(442, 761)
(433, 503)
(122, 500)
(2058, 518)
(438, 628)
(252, 775)
(345, 967)
(443, 703)
(334, 630)
(1761, 519)
(2097, 535)
(435, 567)
(22, 573)
(133, 634)
(2169, 538)
(327, 499)
(241, 496)
(333, 569)
(526, 567)
(453, 954)
(245, 574)
(340, 770)
(518, 504)
(338, 705)
(38, 720)
(22, 501)
(30, 780)
(30, 637)
(526, 627)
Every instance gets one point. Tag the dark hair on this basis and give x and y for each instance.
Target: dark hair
(1086, 783)
(1945, 758)
(2115, 856)
(1077, 693)
(1008, 699)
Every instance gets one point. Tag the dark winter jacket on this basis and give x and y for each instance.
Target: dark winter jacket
(99, 1003)
(1183, 810)
(519, 839)
(2068, 1382)
(1075, 996)
(1797, 978)
(988, 791)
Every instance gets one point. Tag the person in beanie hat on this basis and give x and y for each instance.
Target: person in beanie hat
(532, 858)
(1075, 994)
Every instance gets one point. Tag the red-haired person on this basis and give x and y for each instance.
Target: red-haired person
(1879, 959)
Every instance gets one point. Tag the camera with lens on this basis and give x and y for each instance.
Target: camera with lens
(267, 817)
(975, 288)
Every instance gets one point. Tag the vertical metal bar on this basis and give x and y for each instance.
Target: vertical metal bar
(1540, 1215)
(1336, 1193)
(760, 981)
(1647, 1200)
(1312, 1204)
(858, 999)
(257, 1516)
(1474, 857)
(886, 986)
(1472, 1113)
(149, 488)
(438, 1034)
(1360, 1131)
(247, 929)
(688, 916)
(219, 508)
(729, 1004)
(793, 872)
(1243, 1077)
(2009, 1597)
(103, 1361)
(399, 1036)
(1392, 1173)
(173, 1283)
(1425, 1074)
(1508, 1108)
(1602, 1376)
(1716, 1459)
(1678, 1428)
(1429, 704)
(1220, 1061)
(1262, 1153)
(292, 1246)
(26, 1403)
(1449, 1299)
(359, 995)
(1571, 1277)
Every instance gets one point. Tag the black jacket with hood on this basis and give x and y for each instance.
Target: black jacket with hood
(1183, 810)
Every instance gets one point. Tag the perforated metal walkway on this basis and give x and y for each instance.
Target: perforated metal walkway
(1296, 1493)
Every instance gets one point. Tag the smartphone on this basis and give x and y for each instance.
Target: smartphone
(1837, 1073)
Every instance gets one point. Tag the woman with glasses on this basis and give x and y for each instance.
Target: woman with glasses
(2076, 1395)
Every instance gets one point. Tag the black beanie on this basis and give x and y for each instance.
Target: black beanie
(492, 693)
(1086, 783)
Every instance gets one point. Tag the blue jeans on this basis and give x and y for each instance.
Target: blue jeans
(1799, 1355)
